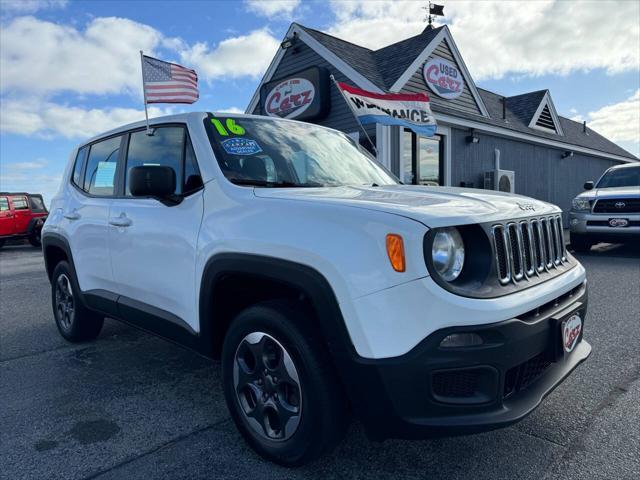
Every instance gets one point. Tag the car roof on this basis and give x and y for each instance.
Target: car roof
(184, 118)
(625, 165)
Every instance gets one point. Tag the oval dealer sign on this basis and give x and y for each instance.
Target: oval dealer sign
(443, 78)
(290, 98)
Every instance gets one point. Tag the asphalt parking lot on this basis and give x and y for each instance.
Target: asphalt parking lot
(133, 406)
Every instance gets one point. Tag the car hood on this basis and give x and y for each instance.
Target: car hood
(616, 192)
(432, 206)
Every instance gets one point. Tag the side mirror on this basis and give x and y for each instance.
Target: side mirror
(588, 185)
(152, 181)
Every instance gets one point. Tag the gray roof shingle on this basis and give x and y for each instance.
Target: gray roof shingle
(384, 66)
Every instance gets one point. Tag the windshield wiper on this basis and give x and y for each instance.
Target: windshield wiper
(266, 183)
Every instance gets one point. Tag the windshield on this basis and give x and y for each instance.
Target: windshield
(275, 153)
(621, 177)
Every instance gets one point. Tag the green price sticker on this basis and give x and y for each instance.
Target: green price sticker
(231, 125)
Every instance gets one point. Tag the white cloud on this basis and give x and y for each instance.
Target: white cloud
(42, 57)
(28, 176)
(273, 8)
(31, 165)
(231, 110)
(30, 6)
(619, 122)
(245, 55)
(499, 37)
(46, 120)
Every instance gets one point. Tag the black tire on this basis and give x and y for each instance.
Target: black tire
(35, 240)
(322, 415)
(2, 242)
(75, 322)
(580, 243)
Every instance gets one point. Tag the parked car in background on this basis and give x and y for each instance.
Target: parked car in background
(325, 286)
(22, 215)
(608, 211)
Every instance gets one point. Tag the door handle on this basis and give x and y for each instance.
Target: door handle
(73, 215)
(121, 221)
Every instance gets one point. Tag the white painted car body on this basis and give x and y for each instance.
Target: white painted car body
(338, 231)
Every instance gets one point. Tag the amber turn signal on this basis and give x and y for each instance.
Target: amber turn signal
(395, 250)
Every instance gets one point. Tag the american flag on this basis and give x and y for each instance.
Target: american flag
(166, 82)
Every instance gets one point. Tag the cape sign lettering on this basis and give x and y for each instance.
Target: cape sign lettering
(290, 98)
(443, 78)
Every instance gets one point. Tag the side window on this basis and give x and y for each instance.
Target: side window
(76, 178)
(20, 203)
(192, 178)
(4, 204)
(99, 178)
(165, 147)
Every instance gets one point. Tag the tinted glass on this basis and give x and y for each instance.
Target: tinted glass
(4, 204)
(20, 203)
(289, 154)
(99, 178)
(621, 177)
(37, 204)
(77, 168)
(165, 147)
(192, 178)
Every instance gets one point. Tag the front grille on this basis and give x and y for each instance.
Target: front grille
(617, 205)
(521, 376)
(528, 248)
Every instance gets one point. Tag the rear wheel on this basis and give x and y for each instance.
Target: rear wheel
(2, 242)
(35, 238)
(75, 322)
(580, 243)
(280, 386)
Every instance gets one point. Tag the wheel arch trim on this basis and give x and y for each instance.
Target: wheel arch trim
(291, 274)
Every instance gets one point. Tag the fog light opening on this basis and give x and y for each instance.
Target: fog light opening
(457, 340)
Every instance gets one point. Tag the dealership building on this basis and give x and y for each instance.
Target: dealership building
(483, 140)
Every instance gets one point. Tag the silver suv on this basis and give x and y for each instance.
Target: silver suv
(608, 211)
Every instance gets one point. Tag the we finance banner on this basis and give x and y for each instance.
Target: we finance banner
(406, 110)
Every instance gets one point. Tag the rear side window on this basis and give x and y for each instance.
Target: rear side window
(100, 174)
(79, 165)
(37, 204)
(4, 204)
(169, 147)
(20, 203)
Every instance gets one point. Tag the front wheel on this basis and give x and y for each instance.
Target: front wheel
(580, 243)
(280, 386)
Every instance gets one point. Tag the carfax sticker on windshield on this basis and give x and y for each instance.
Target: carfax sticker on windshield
(241, 146)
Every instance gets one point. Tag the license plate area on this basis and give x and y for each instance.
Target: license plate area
(567, 329)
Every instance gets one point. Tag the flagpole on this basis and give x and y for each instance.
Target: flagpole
(354, 114)
(144, 93)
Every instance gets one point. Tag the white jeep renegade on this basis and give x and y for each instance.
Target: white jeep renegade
(327, 288)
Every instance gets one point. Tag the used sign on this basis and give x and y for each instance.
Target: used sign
(443, 78)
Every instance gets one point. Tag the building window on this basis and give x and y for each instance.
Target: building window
(422, 159)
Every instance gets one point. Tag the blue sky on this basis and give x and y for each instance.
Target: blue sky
(69, 70)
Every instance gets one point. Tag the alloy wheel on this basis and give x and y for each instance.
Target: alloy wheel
(267, 386)
(65, 305)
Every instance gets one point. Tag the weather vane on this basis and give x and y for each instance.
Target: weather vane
(434, 10)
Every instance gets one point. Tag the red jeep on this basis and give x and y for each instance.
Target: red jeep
(21, 216)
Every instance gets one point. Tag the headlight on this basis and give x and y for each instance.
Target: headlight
(579, 203)
(447, 253)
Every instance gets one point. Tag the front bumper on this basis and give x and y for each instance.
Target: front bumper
(431, 391)
(596, 225)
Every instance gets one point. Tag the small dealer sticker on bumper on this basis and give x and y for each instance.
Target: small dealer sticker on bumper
(571, 328)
